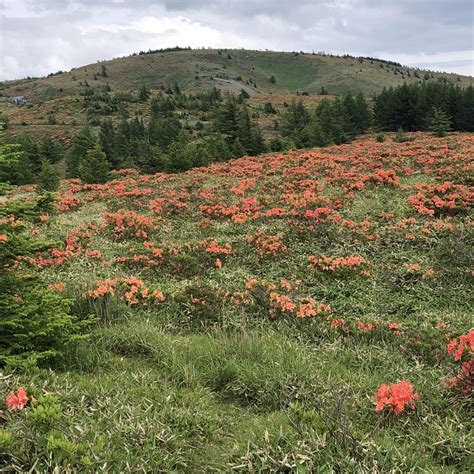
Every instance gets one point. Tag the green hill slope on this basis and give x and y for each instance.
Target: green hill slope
(230, 70)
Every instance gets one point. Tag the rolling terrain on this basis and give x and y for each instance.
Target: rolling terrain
(196, 71)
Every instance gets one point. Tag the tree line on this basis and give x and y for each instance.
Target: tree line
(225, 128)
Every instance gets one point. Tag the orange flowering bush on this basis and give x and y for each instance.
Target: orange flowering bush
(267, 244)
(129, 224)
(461, 349)
(444, 198)
(18, 400)
(132, 290)
(396, 398)
(337, 264)
(214, 248)
(279, 300)
(147, 256)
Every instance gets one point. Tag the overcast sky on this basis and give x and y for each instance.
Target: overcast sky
(42, 36)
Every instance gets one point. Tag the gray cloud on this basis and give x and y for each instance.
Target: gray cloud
(42, 36)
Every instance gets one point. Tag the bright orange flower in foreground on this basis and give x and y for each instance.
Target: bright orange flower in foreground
(18, 400)
(396, 398)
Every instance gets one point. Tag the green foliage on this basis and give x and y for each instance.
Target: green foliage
(333, 122)
(35, 325)
(48, 177)
(411, 107)
(50, 150)
(83, 142)
(64, 452)
(94, 167)
(44, 411)
(440, 123)
(241, 134)
(400, 136)
(143, 94)
(9, 157)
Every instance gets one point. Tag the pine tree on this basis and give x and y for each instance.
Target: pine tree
(9, 157)
(143, 93)
(48, 178)
(51, 150)
(93, 167)
(362, 117)
(81, 144)
(107, 142)
(237, 149)
(295, 119)
(226, 120)
(217, 147)
(36, 326)
(440, 122)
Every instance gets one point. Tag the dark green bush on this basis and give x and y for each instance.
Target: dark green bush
(35, 324)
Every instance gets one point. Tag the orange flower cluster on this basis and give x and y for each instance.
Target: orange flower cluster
(336, 264)
(67, 202)
(462, 346)
(387, 177)
(396, 398)
(447, 198)
(73, 247)
(243, 186)
(280, 299)
(132, 290)
(214, 248)
(129, 224)
(152, 256)
(461, 349)
(322, 214)
(59, 287)
(365, 327)
(267, 244)
(18, 400)
(309, 308)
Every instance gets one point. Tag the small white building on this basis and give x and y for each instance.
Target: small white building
(19, 100)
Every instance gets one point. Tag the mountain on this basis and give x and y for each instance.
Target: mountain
(263, 74)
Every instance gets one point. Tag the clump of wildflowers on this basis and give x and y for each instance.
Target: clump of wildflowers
(461, 349)
(396, 398)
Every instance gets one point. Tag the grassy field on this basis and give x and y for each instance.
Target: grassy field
(247, 313)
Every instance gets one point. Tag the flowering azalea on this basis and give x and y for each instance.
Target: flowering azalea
(18, 400)
(396, 398)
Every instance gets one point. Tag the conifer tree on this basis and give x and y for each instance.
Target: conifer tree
(9, 156)
(93, 167)
(35, 326)
(440, 122)
(238, 149)
(48, 177)
(82, 143)
(143, 93)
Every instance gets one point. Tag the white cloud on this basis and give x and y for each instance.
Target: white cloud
(461, 62)
(41, 36)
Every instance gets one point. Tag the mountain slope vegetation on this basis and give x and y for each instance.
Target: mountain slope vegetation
(298, 312)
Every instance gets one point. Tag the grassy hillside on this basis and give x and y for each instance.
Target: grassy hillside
(194, 71)
(247, 314)
(231, 69)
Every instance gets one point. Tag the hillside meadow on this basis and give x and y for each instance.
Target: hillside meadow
(61, 94)
(253, 315)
